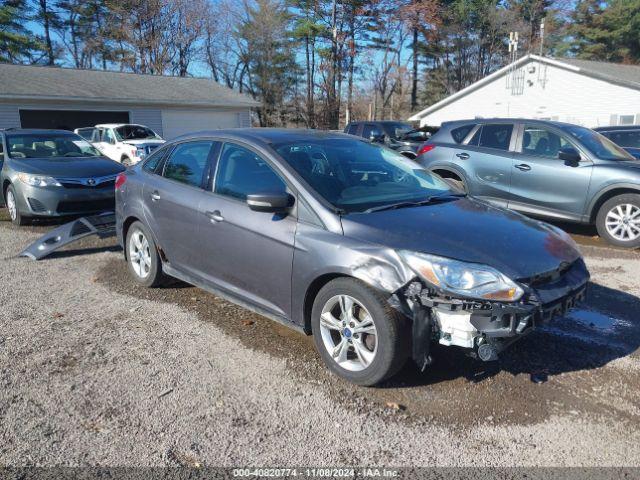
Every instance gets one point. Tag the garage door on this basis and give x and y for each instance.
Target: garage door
(180, 122)
(69, 119)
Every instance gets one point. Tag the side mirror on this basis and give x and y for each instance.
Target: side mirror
(570, 156)
(376, 138)
(270, 202)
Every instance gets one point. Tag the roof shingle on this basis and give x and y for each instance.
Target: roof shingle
(615, 72)
(26, 81)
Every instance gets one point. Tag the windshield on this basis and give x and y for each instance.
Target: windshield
(135, 132)
(355, 176)
(46, 145)
(598, 144)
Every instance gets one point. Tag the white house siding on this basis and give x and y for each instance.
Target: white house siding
(550, 92)
(176, 122)
(149, 117)
(9, 116)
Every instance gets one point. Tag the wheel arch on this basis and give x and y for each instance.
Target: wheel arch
(312, 292)
(607, 194)
(408, 153)
(5, 187)
(125, 230)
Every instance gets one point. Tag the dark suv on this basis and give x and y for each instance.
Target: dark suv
(398, 136)
(547, 169)
(627, 137)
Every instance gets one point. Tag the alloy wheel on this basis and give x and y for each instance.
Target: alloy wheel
(348, 333)
(623, 222)
(139, 254)
(11, 205)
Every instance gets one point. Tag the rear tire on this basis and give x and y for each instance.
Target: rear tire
(143, 260)
(126, 161)
(364, 352)
(618, 220)
(17, 218)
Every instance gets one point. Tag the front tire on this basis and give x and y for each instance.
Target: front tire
(618, 220)
(14, 211)
(358, 334)
(143, 259)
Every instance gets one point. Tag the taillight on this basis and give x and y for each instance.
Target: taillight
(427, 147)
(120, 180)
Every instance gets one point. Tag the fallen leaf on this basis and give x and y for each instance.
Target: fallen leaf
(247, 323)
(58, 315)
(395, 406)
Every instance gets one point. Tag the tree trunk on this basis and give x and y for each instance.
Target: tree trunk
(414, 78)
(47, 32)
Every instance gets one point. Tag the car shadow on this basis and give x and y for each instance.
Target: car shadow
(586, 338)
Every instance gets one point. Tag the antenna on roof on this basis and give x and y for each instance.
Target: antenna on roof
(541, 37)
(513, 57)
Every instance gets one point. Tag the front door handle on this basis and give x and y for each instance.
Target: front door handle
(215, 216)
(462, 156)
(155, 196)
(523, 167)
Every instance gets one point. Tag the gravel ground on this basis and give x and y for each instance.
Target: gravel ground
(96, 371)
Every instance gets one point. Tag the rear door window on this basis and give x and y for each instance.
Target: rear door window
(1, 147)
(153, 161)
(495, 136)
(460, 133)
(188, 163)
(108, 137)
(370, 130)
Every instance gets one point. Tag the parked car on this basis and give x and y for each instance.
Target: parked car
(51, 173)
(346, 240)
(124, 143)
(399, 136)
(548, 169)
(627, 137)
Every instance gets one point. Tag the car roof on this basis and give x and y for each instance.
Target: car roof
(385, 122)
(508, 120)
(36, 131)
(115, 125)
(270, 135)
(617, 128)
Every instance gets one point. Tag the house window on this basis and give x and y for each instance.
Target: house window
(626, 120)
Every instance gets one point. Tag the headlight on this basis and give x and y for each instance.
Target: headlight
(38, 180)
(463, 279)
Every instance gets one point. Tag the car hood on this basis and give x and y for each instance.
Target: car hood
(467, 230)
(140, 143)
(68, 167)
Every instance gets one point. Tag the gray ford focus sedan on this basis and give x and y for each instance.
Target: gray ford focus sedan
(50, 173)
(347, 241)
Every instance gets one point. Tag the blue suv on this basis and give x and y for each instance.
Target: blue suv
(547, 169)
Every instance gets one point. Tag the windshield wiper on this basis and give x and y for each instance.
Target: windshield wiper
(426, 201)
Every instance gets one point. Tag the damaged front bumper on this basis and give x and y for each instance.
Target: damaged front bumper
(485, 327)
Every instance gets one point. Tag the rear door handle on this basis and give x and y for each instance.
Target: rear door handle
(215, 216)
(155, 196)
(462, 156)
(524, 167)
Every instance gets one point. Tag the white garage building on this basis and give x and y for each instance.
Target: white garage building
(584, 92)
(52, 97)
